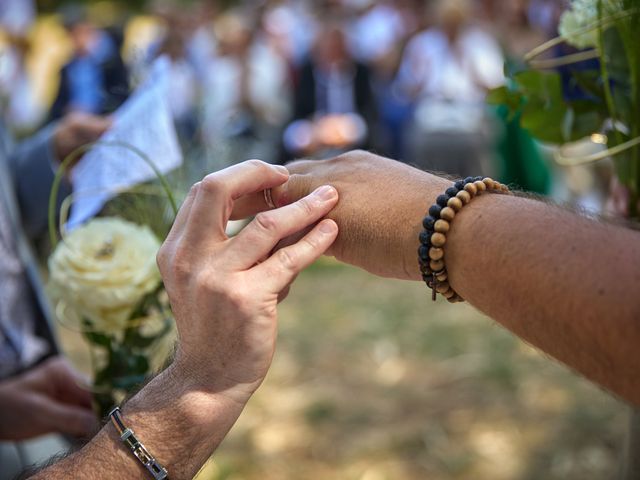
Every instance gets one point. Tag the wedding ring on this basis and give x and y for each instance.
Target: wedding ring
(268, 198)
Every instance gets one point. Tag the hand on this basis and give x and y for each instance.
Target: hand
(43, 400)
(77, 129)
(224, 291)
(382, 203)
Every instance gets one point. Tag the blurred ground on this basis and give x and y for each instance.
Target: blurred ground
(371, 381)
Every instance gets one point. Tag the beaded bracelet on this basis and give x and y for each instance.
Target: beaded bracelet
(436, 226)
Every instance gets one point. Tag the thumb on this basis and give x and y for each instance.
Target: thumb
(67, 418)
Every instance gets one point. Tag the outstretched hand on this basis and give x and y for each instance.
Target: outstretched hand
(382, 203)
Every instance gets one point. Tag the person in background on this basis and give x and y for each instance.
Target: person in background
(448, 69)
(247, 89)
(95, 80)
(334, 107)
(19, 108)
(39, 392)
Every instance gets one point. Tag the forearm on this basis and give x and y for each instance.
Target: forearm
(179, 423)
(565, 283)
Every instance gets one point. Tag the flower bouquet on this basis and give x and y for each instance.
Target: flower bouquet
(105, 284)
(590, 89)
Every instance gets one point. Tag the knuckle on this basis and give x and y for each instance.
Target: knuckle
(212, 183)
(162, 257)
(181, 265)
(311, 241)
(194, 189)
(307, 206)
(287, 259)
(257, 164)
(266, 222)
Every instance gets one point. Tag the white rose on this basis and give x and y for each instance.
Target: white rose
(584, 13)
(103, 269)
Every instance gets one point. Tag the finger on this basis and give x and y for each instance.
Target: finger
(68, 384)
(218, 191)
(281, 268)
(297, 186)
(249, 205)
(94, 126)
(65, 418)
(259, 238)
(183, 214)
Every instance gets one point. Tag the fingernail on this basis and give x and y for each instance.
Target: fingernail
(326, 193)
(327, 227)
(282, 169)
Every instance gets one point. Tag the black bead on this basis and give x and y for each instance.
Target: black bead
(452, 192)
(469, 180)
(425, 238)
(442, 200)
(435, 210)
(423, 253)
(479, 178)
(428, 222)
(459, 184)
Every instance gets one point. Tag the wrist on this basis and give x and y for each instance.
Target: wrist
(425, 191)
(199, 375)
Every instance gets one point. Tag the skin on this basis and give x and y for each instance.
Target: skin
(51, 397)
(224, 294)
(562, 282)
(77, 129)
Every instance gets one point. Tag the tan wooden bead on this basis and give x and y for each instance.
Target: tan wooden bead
(441, 226)
(471, 188)
(442, 277)
(442, 287)
(464, 196)
(480, 186)
(489, 182)
(455, 203)
(436, 265)
(447, 213)
(448, 294)
(438, 239)
(436, 253)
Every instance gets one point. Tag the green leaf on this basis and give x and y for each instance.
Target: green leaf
(544, 113)
(584, 120)
(510, 98)
(135, 339)
(94, 337)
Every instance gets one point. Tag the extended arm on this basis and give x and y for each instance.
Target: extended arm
(224, 294)
(568, 284)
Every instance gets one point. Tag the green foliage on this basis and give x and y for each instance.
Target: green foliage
(538, 98)
(611, 100)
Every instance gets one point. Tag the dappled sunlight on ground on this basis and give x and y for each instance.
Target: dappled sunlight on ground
(371, 381)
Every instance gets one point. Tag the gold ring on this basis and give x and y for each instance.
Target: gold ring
(268, 198)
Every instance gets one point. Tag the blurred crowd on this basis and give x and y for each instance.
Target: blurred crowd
(280, 79)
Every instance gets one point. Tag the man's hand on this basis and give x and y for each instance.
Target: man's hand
(382, 203)
(43, 400)
(77, 129)
(224, 291)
